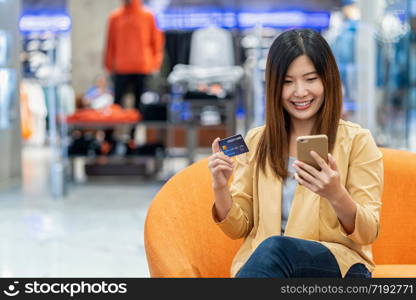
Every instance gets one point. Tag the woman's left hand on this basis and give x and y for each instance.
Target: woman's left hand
(326, 183)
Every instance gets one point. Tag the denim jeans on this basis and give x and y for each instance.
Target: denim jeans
(285, 257)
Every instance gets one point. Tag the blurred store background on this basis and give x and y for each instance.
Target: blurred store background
(72, 200)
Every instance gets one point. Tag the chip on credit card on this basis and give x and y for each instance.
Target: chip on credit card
(233, 145)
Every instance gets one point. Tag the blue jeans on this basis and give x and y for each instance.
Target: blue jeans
(285, 257)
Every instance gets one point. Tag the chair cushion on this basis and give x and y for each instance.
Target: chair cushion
(394, 271)
(181, 239)
(396, 242)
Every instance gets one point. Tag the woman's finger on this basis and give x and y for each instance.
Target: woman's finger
(221, 168)
(217, 159)
(305, 175)
(306, 184)
(320, 161)
(222, 156)
(215, 146)
(332, 162)
(311, 170)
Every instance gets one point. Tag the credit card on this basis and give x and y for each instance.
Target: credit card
(233, 145)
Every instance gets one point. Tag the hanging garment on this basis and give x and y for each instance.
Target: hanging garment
(211, 62)
(37, 107)
(26, 120)
(212, 47)
(178, 45)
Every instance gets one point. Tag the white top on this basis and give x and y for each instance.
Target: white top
(288, 192)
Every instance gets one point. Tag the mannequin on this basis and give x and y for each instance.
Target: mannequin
(134, 49)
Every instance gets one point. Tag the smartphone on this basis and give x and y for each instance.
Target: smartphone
(318, 143)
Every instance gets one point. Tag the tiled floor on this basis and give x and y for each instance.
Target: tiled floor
(95, 231)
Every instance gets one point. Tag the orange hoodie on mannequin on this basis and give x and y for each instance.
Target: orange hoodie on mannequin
(134, 42)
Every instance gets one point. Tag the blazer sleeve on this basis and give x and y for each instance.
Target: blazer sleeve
(239, 220)
(365, 185)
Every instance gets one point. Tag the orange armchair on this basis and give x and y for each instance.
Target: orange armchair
(181, 240)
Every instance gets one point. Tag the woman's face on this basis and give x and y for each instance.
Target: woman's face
(303, 91)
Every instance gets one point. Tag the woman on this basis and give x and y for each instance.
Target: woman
(297, 221)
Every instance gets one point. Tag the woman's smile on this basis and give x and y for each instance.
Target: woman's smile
(302, 105)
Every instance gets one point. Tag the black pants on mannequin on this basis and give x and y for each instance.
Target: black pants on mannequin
(124, 83)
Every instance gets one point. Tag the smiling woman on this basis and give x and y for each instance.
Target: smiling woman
(297, 220)
(302, 89)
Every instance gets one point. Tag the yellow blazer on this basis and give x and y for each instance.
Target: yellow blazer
(256, 210)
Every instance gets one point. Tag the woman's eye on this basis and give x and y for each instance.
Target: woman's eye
(287, 81)
(312, 79)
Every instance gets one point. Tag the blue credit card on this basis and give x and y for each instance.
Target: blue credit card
(233, 145)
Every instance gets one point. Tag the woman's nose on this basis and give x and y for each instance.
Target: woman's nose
(300, 90)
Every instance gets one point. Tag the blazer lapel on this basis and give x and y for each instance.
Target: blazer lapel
(270, 202)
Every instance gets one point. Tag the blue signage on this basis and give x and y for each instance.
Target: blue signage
(45, 23)
(189, 20)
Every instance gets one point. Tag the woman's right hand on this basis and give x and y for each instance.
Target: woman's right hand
(220, 165)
